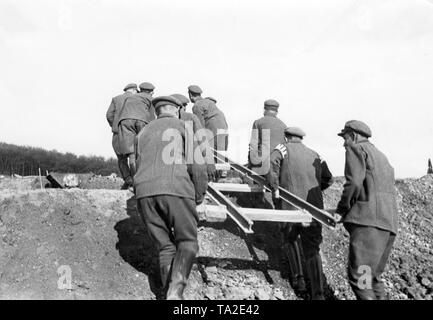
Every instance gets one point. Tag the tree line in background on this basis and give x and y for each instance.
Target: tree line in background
(26, 161)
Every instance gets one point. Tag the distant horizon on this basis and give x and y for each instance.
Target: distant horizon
(114, 158)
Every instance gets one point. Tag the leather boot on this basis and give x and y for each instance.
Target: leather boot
(295, 263)
(180, 271)
(315, 273)
(165, 276)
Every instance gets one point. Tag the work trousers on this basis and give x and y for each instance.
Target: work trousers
(172, 224)
(122, 160)
(369, 251)
(311, 236)
(128, 130)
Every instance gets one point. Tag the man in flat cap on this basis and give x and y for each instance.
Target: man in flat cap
(368, 208)
(112, 117)
(210, 117)
(191, 118)
(266, 134)
(168, 187)
(302, 172)
(136, 112)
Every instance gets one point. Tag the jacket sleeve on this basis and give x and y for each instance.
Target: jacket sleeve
(273, 176)
(326, 179)
(203, 144)
(110, 113)
(199, 112)
(253, 153)
(354, 172)
(197, 170)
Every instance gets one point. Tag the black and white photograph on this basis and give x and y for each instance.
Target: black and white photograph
(218, 153)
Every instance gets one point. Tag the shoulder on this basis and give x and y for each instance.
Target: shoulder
(205, 103)
(281, 148)
(120, 97)
(356, 152)
(187, 116)
(355, 148)
(311, 152)
(281, 123)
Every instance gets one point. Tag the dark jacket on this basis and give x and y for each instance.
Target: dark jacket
(300, 171)
(137, 107)
(115, 108)
(259, 142)
(209, 115)
(369, 196)
(162, 167)
(187, 116)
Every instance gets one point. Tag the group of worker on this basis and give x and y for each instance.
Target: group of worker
(170, 192)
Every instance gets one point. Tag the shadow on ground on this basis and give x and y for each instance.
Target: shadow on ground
(136, 247)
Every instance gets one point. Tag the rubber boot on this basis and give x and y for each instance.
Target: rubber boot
(180, 271)
(315, 273)
(295, 263)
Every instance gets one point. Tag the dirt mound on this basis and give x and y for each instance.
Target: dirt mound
(409, 273)
(99, 236)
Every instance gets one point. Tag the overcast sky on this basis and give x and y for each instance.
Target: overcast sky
(326, 62)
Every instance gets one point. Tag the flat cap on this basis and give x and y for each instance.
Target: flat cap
(211, 99)
(195, 89)
(130, 86)
(166, 100)
(271, 103)
(294, 131)
(184, 100)
(357, 126)
(146, 86)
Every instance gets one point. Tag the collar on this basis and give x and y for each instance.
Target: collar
(294, 141)
(364, 140)
(266, 114)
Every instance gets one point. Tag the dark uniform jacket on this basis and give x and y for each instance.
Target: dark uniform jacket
(115, 108)
(369, 196)
(300, 171)
(137, 107)
(209, 115)
(156, 174)
(276, 129)
(187, 116)
(203, 143)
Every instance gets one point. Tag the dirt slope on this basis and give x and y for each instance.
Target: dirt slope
(100, 237)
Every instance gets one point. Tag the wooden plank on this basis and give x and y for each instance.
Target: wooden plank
(295, 216)
(222, 166)
(320, 215)
(233, 211)
(214, 213)
(236, 187)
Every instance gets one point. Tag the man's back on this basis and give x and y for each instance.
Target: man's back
(267, 133)
(276, 130)
(115, 108)
(209, 115)
(302, 172)
(187, 116)
(138, 107)
(162, 164)
(369, 193)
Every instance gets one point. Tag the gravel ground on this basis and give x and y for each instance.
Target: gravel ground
(100, 237)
